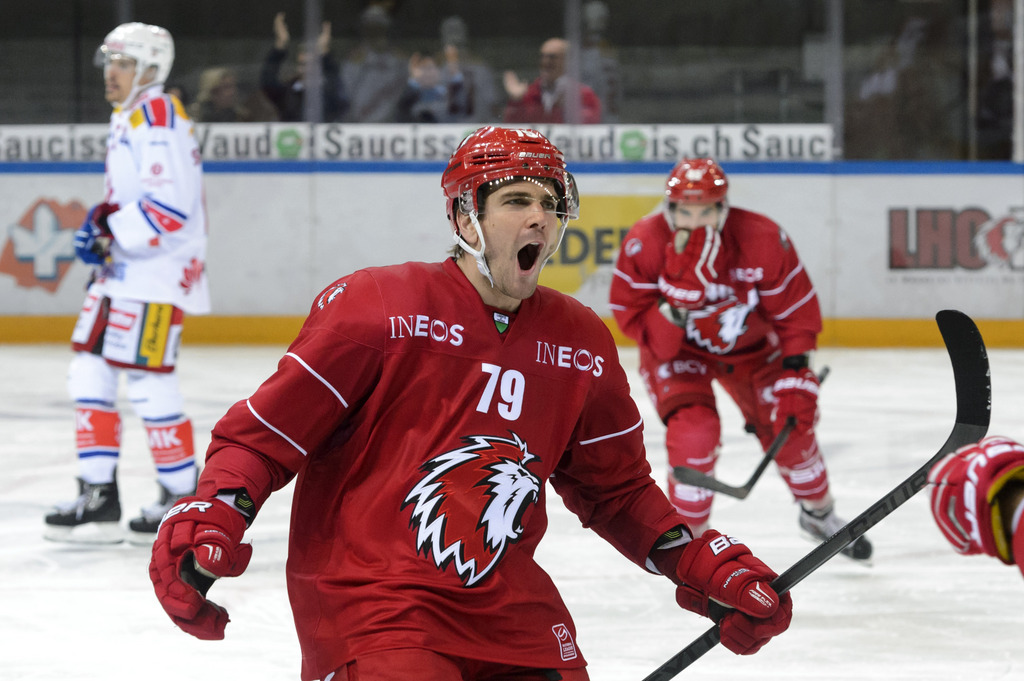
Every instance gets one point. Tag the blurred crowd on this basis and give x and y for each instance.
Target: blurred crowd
(445, 82)
(915, 80)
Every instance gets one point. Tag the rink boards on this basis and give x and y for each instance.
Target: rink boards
(887, 244)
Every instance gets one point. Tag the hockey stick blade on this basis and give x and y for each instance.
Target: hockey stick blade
(973, 408)
(690, 476)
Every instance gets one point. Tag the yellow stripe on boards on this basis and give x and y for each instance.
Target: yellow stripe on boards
(225, 330)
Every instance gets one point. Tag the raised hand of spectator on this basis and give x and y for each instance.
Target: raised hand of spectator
(281, 35)
(323, 41)
(423, 70)
(514, 87)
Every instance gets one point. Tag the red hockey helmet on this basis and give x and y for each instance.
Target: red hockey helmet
(493, 153)
(696, 180)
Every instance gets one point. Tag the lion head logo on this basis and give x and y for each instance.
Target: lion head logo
(717, 327)
(469, 505)
(1000, 241)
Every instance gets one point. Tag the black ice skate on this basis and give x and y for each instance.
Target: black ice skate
(93, 518)
(143, 529)
(822, 524)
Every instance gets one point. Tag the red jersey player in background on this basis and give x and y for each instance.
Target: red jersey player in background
(977, 499)
(716, 293)
(421, 410)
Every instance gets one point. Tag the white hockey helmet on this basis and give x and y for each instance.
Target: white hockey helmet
(149, 46)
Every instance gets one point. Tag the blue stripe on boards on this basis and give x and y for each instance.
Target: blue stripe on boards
(627, 168)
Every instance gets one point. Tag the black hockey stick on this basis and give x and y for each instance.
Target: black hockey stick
(973, 407)
(691, 476)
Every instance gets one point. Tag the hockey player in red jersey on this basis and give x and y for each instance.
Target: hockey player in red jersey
(710, 293)
(147, 244)
(977, 499)
(421, 411)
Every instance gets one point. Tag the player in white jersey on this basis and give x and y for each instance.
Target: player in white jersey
(147, 244)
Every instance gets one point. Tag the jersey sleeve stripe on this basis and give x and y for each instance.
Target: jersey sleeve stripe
(796, 306)
(262, 420)
(789, 277)
(318, 377)
(632, 283)
(165, 208)
(162, 218)
(611, 435)
(158, 114)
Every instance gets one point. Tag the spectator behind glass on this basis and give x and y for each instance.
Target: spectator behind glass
(425, 98)
(288, 94)
(472, 95)
(599, 66)
(374, 73)
(218, 101)
(544, 100)
(178, 90)
(912, 105)
(995, 89)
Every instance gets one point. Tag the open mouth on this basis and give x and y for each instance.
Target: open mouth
(527, 256)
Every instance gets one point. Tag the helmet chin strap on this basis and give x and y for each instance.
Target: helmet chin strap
(481, 259)
(478, 255)
(137, 89)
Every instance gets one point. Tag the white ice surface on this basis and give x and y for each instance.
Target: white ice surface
(920, 612)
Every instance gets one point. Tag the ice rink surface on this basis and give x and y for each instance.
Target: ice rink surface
(919, 612)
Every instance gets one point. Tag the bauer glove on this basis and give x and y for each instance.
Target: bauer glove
(714, 570)
(92, 239)
(966, 499)
(199, 541)
(796, 399)
(692, 262)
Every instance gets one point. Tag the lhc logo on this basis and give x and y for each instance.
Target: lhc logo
(970, 239)
(40, 246)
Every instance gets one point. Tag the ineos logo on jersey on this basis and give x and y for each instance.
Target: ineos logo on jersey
(569, 358)
(422, 326)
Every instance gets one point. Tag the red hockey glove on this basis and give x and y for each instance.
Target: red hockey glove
(714, 569)
(796, 397)
(691, 266)
(92, 239)
(199, 541)
(966, 495)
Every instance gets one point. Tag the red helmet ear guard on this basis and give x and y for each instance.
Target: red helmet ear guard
(493, 153)
(696, 180)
